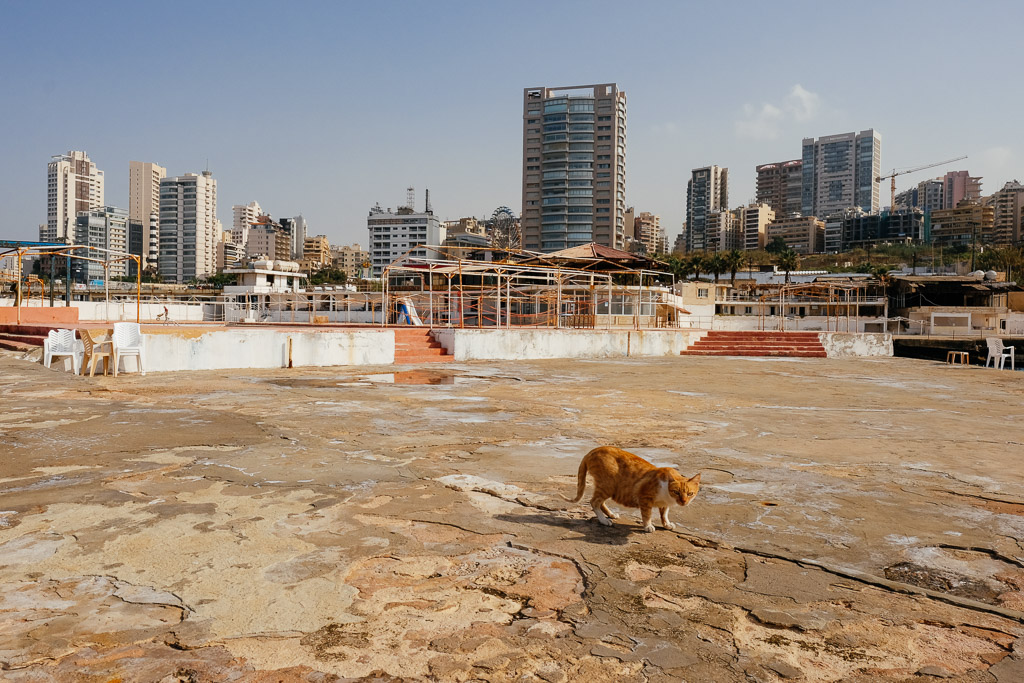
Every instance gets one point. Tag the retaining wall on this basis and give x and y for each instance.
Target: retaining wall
(554, 343)
(846, 345)
(196, 349)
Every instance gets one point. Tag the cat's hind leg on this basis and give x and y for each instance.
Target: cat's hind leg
(664, 519)
(607, 512)
(599, 509)
(645, 515)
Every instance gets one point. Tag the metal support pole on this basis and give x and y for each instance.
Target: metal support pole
(51, 279)
(67, 278)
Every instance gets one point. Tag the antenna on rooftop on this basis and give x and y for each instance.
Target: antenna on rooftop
(410, 197)
(429, 210)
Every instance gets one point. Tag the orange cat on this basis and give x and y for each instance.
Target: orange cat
(632, 481)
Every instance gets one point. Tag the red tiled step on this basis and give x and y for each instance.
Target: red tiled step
(418, 346)
(783, 353)
(30, 339)
(11, 345)
(758, 343)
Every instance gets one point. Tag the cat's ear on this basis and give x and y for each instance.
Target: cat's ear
(695, 479)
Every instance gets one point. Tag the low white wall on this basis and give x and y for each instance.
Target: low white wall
(126, 310)
(843, 345)
(521, 344)
(255, 348)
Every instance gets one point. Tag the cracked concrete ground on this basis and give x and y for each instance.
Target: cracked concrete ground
(859, 521)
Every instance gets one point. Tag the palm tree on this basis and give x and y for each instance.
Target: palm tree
(788, 261)
(716, 265)
(735, 260)
(697, 264)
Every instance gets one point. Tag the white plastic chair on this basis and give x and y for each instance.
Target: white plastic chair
(996, 349)
(128, 342)
(61, 343)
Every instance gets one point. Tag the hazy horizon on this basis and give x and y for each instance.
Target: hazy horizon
(326, 109)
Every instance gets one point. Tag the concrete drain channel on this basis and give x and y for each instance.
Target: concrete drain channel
(975, 574)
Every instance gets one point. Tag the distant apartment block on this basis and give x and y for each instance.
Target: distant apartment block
(399, 233)
(242, 218)
(839, 172)
(144, 206)
(779, 185)
(296, 228)
(574, 167)
(706, 191)
(317, 251)
(1008, 203)
(189, 229)
(105, 228)
(350, 259)
(958, 186)
(73, 185)
(754, 219)
(967, 224)
(724, 232)
(229, 254)
(802, 234)
(268, 239)
(647, 231)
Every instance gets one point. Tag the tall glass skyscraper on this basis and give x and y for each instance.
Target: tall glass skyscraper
(839, 173)
(574, 167)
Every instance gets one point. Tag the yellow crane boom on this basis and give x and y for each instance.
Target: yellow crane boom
(892, 176)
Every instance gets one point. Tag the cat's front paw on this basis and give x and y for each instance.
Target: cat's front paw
(669, 525)
(605, 521)
(649, 528)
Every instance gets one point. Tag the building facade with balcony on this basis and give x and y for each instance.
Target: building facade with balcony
(574, 167)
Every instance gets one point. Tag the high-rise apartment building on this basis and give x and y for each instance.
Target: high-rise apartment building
(296, 228)
(189, 229)
(74, 185)
(706, 191)
(754, 219)
(106, 228)
(574, 167)
(403, 232)
(839, 172)
(779, 185)
(724, 231)
(144, 206)
(958, 186)
(647, 231)
(1009, 214)
(930, 195)
(242, 218)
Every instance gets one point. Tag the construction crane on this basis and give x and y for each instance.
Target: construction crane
(892, 203)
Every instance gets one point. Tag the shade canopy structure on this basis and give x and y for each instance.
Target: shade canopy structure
(81, 252)
(571, 289)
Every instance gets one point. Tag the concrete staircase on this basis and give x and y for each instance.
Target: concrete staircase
(757, 343)
(416, 345)
(23, 338)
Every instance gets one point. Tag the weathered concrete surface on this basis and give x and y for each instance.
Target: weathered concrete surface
(843, 345)
(859, 522)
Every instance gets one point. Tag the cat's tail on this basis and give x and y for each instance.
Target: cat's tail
(580, 485)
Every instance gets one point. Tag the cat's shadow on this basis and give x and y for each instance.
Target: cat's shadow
(590, 530)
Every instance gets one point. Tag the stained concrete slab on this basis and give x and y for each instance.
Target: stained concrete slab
(859, 521)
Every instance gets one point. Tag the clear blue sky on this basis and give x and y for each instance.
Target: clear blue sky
(325, 108)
